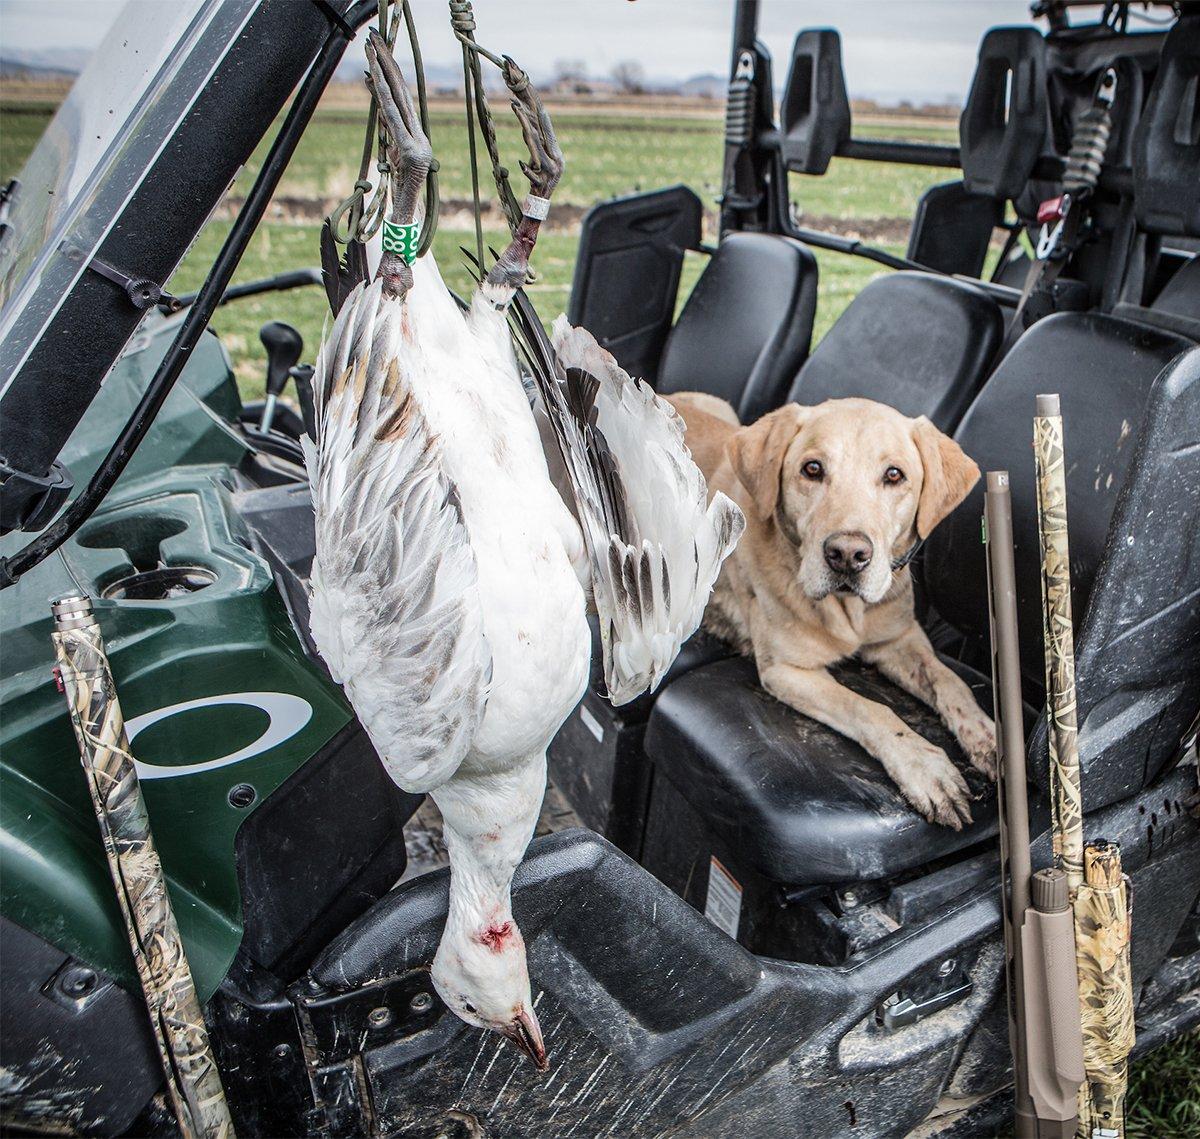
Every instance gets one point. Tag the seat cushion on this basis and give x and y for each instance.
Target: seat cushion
(917, 342)
(746, 327)
(699, 649)
(802, 804)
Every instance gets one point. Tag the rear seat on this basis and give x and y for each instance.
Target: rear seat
(782, 800)
(746, 328)
(916, 341)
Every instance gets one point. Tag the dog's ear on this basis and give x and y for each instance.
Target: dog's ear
(756, 454)
(949, 475)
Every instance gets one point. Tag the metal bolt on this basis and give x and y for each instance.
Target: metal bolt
(379, 1017)
(422, 1002)
(947, 967)
(282, 1051)
(849, 899)
(242, 796)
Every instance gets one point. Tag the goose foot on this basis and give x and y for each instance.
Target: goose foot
(409, 153)
(544, 170)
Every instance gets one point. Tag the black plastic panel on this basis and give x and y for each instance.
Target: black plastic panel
(322, 849)
(815, 112)
(627, 272)
(952, 228)
(77, 1050)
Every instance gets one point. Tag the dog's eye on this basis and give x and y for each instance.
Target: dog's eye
(469, 1007)
(893, 475)
(813, 470)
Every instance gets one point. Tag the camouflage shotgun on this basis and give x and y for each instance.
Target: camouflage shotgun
(193, 1082)
(1099, 897)
(1043, 1002)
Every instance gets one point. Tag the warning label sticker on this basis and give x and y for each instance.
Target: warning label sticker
(723, 907)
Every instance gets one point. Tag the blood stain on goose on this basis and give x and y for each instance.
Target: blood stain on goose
(495, 937)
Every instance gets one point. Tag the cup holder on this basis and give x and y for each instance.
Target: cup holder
(163, 583)
(147, 575)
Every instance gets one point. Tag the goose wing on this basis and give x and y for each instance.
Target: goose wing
(654, 542)
(395, 606)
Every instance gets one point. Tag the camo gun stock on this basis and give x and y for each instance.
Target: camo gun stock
(1043, 1001)
(193, 1082)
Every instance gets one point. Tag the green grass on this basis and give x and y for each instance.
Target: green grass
(1164, 1092)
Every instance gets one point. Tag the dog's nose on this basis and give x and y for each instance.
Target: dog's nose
(848, 552)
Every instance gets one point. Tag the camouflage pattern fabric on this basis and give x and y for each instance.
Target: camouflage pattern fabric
(1065, 788)
(193, 1082)
(1102, 932)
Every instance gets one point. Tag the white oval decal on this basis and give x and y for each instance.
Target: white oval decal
(287, 715)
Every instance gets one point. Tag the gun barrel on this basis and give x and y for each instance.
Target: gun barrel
(1015, 864)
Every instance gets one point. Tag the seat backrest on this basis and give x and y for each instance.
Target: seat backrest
(1103, 369)
(1137, 649)
(747, 325)
(915, 341)
(1166, 143)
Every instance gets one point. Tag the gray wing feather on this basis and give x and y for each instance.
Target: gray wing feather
(395, 608)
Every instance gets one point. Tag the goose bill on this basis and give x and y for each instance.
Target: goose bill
(526, 1034)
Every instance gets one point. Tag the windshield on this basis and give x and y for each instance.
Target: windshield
(92, 157)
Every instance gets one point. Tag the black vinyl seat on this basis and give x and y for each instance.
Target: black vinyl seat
(746, 328)
(803, 805)
(915, 341)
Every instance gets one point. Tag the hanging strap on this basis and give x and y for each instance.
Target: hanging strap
(462, 21)
(356, 219)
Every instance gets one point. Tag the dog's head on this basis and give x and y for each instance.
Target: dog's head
(851, 484)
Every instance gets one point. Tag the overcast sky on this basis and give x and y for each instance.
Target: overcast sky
(922, 49)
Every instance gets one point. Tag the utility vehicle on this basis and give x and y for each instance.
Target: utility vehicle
(752, 934)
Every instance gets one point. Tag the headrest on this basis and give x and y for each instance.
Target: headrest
(816, 110)
(1166, 144)
(1004, 121)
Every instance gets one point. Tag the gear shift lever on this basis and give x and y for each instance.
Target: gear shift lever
(284, 346)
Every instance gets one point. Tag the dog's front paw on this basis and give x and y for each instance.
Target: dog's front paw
(977, 736)
(933, 785)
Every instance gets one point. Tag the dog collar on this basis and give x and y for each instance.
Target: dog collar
(912, 551)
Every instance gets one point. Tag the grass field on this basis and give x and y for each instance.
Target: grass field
(608, 155)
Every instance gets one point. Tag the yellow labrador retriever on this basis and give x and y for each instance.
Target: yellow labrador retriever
(835, 497)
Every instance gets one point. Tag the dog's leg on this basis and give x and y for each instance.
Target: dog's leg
(910, 662)
(922, 771)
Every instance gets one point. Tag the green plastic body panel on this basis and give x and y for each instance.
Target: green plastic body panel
(232, 638)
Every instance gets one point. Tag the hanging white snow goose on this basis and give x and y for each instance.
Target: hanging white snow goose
(449, 588)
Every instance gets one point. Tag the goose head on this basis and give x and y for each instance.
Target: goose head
(482, 976)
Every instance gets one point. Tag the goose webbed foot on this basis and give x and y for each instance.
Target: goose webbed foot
(410, 156)
(544, 170)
